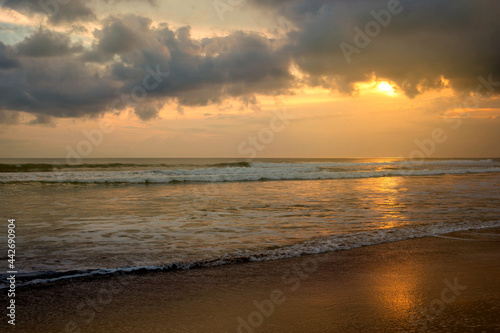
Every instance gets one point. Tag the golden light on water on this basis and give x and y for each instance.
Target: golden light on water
(390, 204)
(397, 299)
(386, 201)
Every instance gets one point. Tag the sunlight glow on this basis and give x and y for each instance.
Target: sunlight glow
(386, 87)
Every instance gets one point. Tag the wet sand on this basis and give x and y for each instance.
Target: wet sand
(437, 284)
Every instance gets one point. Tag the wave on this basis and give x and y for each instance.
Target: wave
(46, 167)
(236, 171)
(54, 167)
(314, 246)
(235, 174)
(231, 165)
(399, 164)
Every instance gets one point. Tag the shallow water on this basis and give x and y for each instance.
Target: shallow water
(94, 227)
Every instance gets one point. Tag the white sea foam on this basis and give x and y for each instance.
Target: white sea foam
(122, 230)
(315, 246)
(262, 171)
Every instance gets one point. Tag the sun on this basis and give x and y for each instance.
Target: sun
(386, 88)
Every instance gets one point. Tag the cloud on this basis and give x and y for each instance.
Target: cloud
(62, 12)
(9, 117)
(128, 56)
(7, 60)
(59, 12)
(56, 86)
(45, 43)
(133, 62)
(148, 111)
(427, 40)
(42, 119)
(118, 36)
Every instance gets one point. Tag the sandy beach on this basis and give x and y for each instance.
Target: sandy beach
(281, 166)
(445, 284)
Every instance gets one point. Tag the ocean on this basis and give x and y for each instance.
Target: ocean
(105, 216)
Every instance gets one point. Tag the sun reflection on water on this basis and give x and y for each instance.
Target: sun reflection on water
(386, 199)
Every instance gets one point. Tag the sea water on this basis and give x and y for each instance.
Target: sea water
(109, 215)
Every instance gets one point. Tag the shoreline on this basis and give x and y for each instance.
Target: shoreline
(446, 283)
(326, 245)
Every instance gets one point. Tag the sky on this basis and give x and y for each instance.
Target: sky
(249, 78)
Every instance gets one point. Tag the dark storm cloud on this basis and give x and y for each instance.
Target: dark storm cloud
(42, 119)
(63, 11)
(7, 57)
(45, 43)
(129, 56)
(424, 41)
(55, 86)
(9, 118)
(59, 12)
(132, 63)
(199, 72)
(148, 111)
(118, 36)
